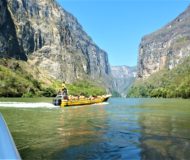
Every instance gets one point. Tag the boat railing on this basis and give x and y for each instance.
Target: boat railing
(8, 148)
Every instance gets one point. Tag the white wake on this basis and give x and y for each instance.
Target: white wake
(27, 105)
(103, 103)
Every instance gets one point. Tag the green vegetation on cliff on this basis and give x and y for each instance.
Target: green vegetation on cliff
(85, 88)
(166, 83)
(18, 81)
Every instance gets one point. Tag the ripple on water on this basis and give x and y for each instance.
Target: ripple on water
(123, 129)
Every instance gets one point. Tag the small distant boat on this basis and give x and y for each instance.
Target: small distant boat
(61, 101)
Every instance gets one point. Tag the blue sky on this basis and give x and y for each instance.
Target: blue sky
(117, 26)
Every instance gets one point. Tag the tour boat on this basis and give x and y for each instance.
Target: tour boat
(61, 101)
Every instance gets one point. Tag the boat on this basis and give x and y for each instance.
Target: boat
(8, 148)
(63, 101)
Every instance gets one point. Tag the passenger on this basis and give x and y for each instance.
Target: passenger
(64, 91)
(91, 97)
(82, 97)
(63, 86)
(70, 97)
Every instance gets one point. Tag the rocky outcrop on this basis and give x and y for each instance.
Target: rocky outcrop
(9, 45)
(165, 48)
(123, 77)
(50, 38)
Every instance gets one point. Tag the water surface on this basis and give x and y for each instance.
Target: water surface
(123, 129)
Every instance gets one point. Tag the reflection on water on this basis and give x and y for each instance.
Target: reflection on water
(165, 130)
(122, 129)
(99, 132)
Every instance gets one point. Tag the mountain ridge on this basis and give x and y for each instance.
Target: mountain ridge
(123, 77)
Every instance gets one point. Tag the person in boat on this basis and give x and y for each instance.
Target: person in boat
(64, 91)
(63, 85)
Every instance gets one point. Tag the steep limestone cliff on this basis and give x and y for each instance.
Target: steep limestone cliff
(51, 39)
(165, 48)
(9, 45)
(123, 77)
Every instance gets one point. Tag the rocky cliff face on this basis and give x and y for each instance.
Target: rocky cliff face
(9, 45)
(166, 47)
(50, 38)
(123, 77)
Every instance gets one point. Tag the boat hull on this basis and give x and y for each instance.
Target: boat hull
(79, 102)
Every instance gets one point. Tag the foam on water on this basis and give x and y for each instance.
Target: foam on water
(27, 105)
(37, 105)
(103, 103)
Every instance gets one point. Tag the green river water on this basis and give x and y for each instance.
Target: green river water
(131, 129)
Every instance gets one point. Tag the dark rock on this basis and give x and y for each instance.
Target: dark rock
(9, 45)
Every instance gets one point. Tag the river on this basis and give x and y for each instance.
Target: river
(131, 129)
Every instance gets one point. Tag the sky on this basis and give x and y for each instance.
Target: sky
(117, 26)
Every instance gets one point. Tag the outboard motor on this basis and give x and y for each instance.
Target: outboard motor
(57, 100)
